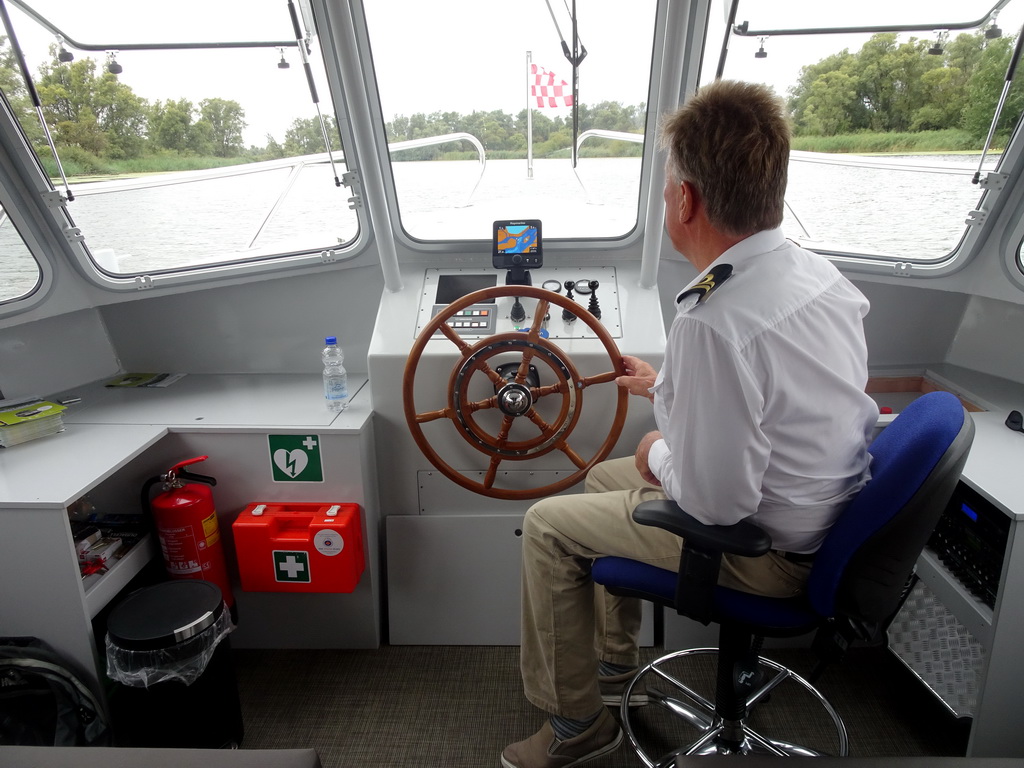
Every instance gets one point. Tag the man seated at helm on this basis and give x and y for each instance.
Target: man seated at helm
(761, 414)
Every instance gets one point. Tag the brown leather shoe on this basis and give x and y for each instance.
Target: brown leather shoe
(543, 750)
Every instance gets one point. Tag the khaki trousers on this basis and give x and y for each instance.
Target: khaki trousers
(568, 622)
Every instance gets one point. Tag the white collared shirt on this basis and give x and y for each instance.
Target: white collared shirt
(761, 399)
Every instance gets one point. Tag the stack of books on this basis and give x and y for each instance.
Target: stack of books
(24, 420)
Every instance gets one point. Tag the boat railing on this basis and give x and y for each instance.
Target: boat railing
(429, 141)
(879, 163)
(638, 138)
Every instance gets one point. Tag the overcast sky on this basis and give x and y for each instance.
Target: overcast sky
(457, 55)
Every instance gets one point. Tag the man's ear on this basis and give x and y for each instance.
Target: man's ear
(689, 200)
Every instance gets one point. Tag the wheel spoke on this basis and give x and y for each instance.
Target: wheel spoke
(574, 457)
(492, 471)
(506, 427)
(492, 467)
(524, 366)
(538, 320)
(601, 378)
(496, 378)
(536, 418)
(483, 405)
(552, 389)
(455, 339)
(423, 418)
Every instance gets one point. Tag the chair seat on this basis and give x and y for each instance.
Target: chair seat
(768, 616)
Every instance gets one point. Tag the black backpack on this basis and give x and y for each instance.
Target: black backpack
(43, 703)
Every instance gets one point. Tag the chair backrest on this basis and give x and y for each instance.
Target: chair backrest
(863, 564)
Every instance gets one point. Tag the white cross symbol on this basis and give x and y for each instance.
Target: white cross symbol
(292, 566)
(310, 443)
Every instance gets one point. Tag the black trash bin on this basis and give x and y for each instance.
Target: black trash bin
(167, 648)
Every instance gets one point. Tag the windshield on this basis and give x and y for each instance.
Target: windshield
(482, 127)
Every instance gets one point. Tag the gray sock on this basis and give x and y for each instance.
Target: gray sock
(607, 669)
(566, 728)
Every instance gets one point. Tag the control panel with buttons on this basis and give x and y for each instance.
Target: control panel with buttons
(592, 289)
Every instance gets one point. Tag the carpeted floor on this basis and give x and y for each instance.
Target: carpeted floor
(456, 707)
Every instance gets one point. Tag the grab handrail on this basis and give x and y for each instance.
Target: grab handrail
(446, 138)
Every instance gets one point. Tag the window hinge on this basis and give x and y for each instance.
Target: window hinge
(976, 218)
(902, 268)
(993, 180)
(328, 257)
(54, 199)
(351, 180)
(73, 235)
(143, 282)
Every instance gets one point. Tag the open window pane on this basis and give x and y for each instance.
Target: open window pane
(888, 125)
(187, 132)
(19, 272)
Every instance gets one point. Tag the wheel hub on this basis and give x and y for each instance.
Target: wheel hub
(514, 399)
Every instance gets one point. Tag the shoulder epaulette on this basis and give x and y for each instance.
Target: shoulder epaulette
(700, 292)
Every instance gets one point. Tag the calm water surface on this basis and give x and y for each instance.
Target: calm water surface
(896, 206)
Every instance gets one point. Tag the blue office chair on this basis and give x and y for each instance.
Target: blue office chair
(858, 580)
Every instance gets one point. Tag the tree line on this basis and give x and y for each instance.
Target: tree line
(504, 135)
(888, 86)
(93, 118)
(885, 87)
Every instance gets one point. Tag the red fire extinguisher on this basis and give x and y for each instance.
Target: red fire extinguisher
(186, 524)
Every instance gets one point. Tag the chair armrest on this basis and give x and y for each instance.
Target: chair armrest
(743, 538)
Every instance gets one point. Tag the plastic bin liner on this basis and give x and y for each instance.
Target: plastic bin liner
(183, 659)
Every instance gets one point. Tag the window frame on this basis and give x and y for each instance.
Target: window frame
(414, 250)
(979, 223)
(54, 203)
(25, 218)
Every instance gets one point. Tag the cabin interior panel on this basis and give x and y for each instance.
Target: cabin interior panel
(270, 326)
(988, 338)
(910, 325)
(54, 353)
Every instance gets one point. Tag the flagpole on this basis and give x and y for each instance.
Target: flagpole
(529, 119)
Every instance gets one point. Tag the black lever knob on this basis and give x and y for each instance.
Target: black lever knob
(568, 316)
(518, 312)
(594, 308)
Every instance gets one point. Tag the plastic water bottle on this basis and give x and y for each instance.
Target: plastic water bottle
(335, 377)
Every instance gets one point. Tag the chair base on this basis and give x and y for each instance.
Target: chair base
(717, 736)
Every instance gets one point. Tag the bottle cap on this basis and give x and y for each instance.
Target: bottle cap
(331, 340)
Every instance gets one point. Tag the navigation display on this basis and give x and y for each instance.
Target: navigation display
(517, 244)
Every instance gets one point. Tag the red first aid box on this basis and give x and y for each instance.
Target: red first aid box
(299, 547)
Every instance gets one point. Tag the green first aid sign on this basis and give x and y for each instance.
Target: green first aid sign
(296, 458)
(291, 566)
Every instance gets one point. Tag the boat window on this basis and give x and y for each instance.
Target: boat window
(478, 102)
(890, 121)
(188, 134)
(19, 271)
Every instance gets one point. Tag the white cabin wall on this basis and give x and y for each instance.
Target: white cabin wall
(908, 325)
(45, 356)
(989, 338)
(269, 326)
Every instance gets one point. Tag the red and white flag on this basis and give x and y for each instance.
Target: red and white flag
(548, 89)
